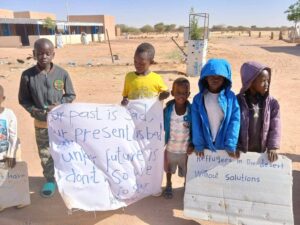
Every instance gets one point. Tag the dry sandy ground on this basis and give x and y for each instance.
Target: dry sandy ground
(103, 82)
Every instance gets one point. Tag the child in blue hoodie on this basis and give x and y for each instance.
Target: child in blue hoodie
(215, 110)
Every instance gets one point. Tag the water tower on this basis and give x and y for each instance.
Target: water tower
(197, 42)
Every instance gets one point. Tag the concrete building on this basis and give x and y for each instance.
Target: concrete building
(34, 15)
(107, 21)
(6, 13)
(23, 28)
(17, 27)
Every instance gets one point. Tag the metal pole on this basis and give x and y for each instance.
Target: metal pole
(38, 29)
(69, 29)
(112, 58)
(179, 47)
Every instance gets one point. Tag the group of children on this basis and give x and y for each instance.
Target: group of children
(216, 120)
(248, 122)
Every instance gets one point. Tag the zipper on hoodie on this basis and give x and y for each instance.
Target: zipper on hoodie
(247, 122)
(263, 128)
(45, 106)
(222, 123)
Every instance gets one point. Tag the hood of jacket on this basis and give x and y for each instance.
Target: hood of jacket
(249, 72)
(220, 67)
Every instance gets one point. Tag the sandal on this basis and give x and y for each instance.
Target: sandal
(168, 192)
(48, 190)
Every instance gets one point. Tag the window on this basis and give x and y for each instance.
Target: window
(5, 30)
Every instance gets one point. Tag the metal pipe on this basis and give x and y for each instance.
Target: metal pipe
(112, 57)
(179, 47)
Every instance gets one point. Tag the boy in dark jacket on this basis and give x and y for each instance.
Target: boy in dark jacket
(43, 87)
(260, 117)
(177, 123)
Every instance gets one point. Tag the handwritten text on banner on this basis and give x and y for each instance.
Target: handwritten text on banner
(14, 185)
(107, 156)
(249, 190)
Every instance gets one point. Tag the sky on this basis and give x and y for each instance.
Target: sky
(141, 12)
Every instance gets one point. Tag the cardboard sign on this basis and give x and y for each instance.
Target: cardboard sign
(14, 185)
(107, 156)
(248, 191)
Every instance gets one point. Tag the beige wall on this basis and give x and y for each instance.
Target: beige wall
(34, 15)
(109, 25)
(22, 14)
(99, 37)
(67, 39)
(33, 38)
(10, 41)
(86, 18)
(108, 22)
(6, 13)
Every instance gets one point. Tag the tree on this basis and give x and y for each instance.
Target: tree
(293, 14)
(180, 29)
(147, 29)
(49, 23)
(133, 30)
(242, 28)
(123, 28)
(170, 28)
(230, 28)
(220, 27)
(196, 33)
(159, 27)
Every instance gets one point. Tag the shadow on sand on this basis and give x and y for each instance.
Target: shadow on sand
(293, 157)
(42, 211)
(170, 71)
(292, 50)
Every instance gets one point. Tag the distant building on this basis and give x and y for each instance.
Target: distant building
(107, 21)
(34, 15)
(23, 28)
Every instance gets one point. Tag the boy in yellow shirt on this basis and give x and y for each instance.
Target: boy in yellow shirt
(143, 83)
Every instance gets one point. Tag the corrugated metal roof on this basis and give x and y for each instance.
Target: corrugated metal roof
(78, 24)
(35, 21)
(20, 21)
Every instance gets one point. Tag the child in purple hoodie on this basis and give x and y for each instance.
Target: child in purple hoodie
(260, 117)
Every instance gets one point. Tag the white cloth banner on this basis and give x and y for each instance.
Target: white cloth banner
(248, 191)
(107, 156)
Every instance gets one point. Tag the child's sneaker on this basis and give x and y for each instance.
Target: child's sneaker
(48, 190)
